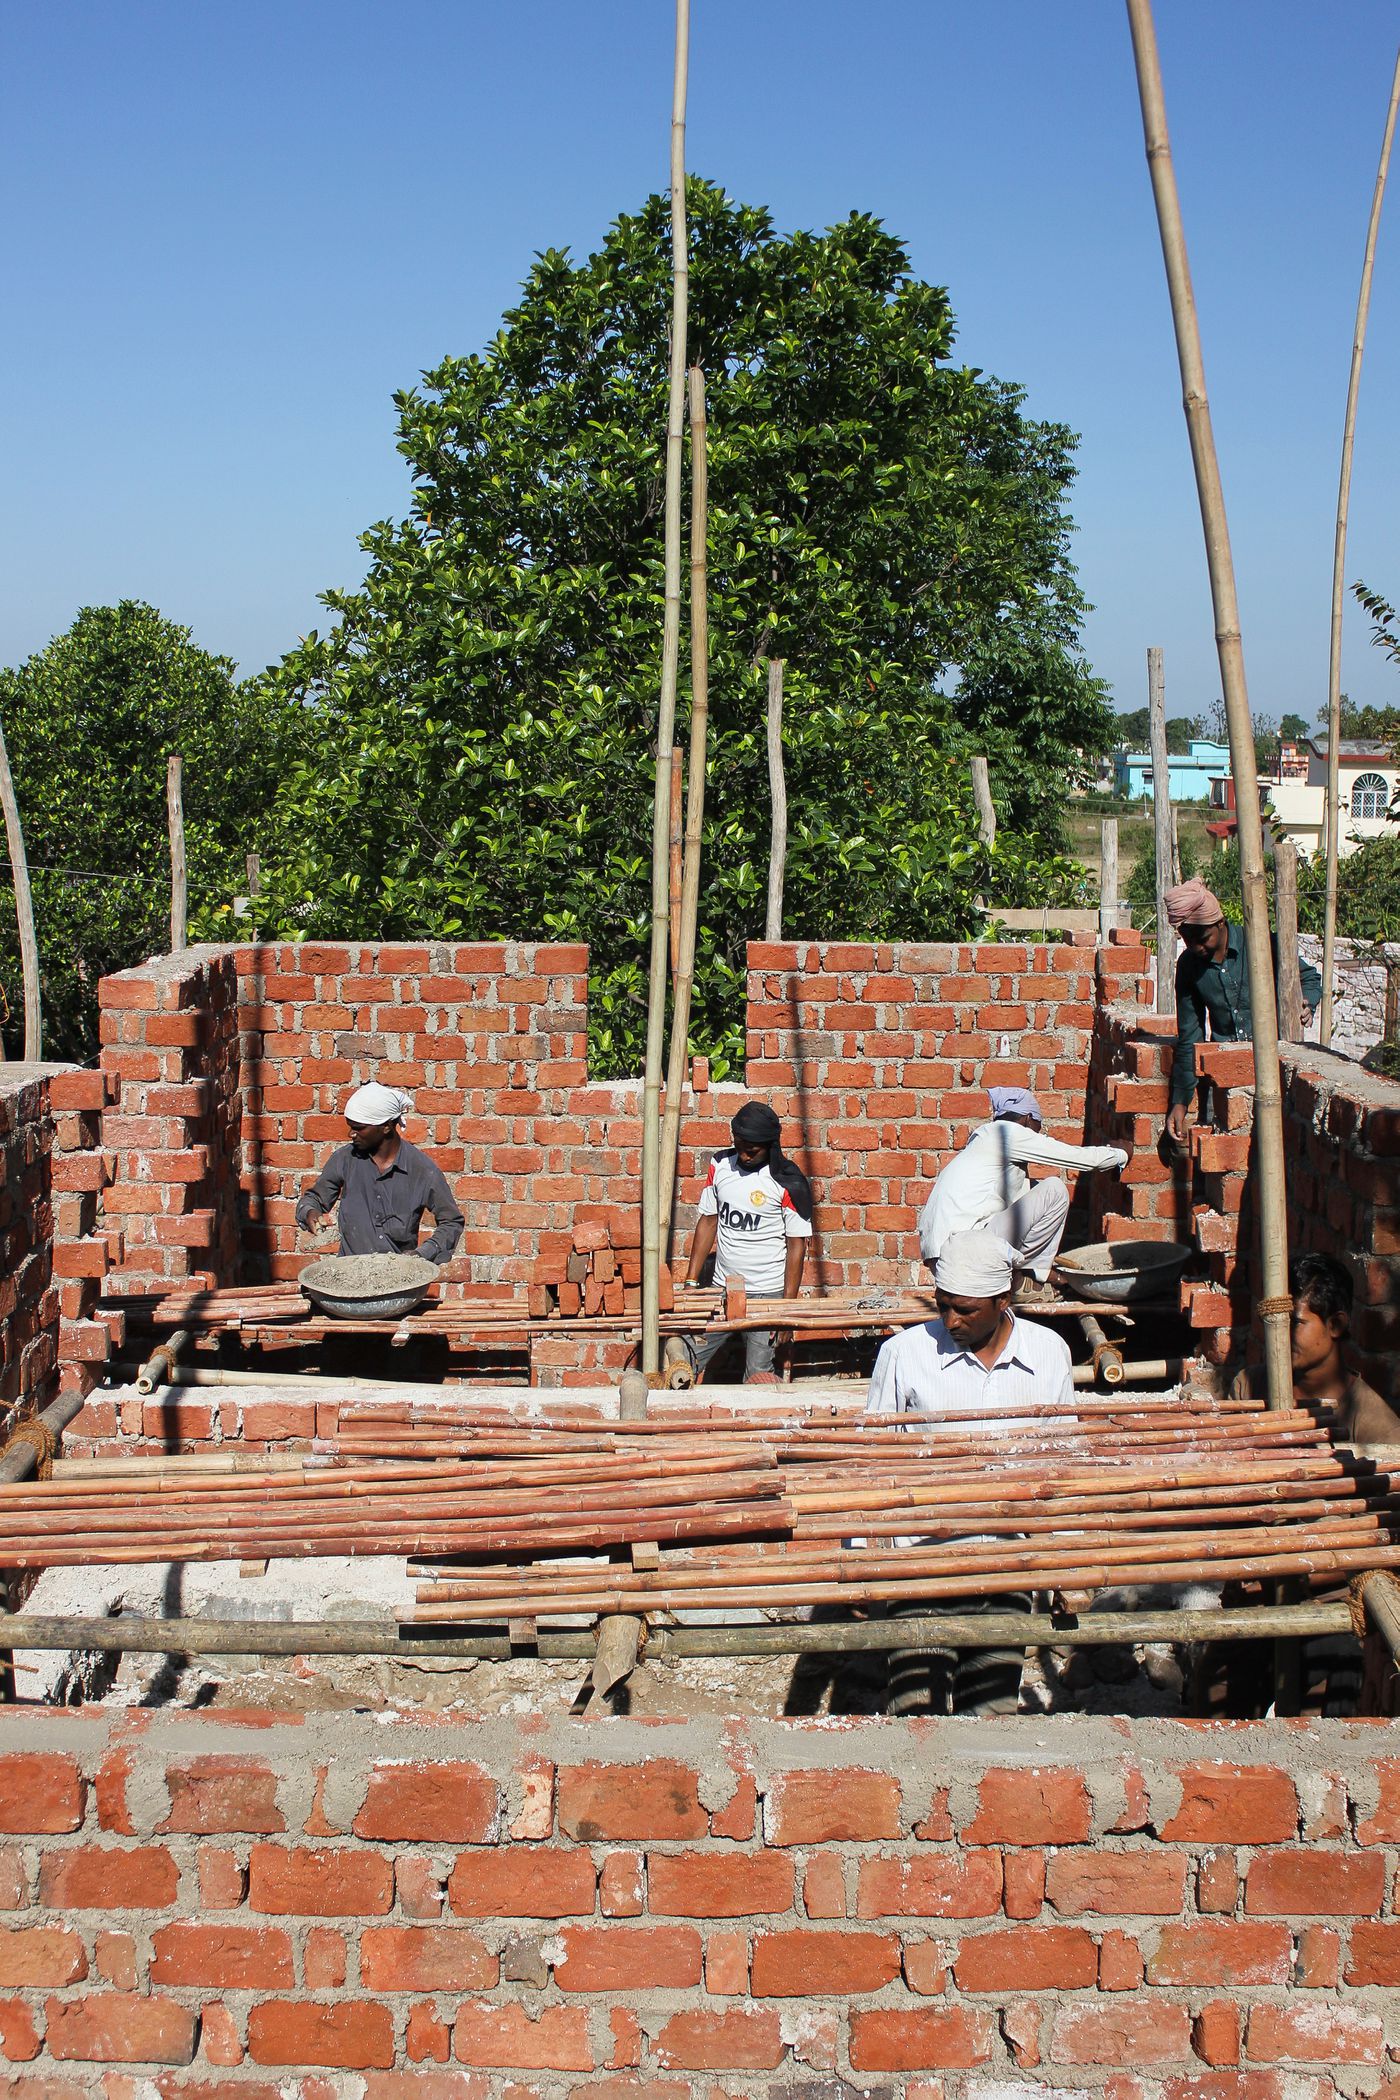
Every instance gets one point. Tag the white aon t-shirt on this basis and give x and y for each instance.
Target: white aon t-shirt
(757, 1218)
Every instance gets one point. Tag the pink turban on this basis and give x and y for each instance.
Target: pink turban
(1192, 904)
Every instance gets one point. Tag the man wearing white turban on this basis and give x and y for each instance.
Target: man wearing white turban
(986, 1186)
(976, 1360)
(382, 1184)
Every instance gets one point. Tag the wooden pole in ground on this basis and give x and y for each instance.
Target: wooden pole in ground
(1275, 1304)
(695, 804)
(677, 849)
(175, 817)
(1332, 801)
(1108, 878)
(777, 788)
(1162, 829)
(982, 796)
(665, 722)
(1176, 852)
(24, 910)
(1290, 980)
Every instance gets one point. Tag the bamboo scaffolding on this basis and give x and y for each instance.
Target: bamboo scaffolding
(695, 801)
(24, 909)
(666, 719)
(175, 819)
(1332, 798)
(1275, 1304)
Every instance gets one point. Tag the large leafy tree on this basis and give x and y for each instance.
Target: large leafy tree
(891, 524)
(90, 722)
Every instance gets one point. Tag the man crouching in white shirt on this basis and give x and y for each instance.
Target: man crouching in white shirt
(977, 1358)
(986, 1185)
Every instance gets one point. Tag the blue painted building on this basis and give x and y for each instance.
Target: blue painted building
(1190, 771)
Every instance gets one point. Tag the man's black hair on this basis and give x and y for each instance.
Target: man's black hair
(1323, 1285)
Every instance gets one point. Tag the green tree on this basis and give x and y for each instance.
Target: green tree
(889, 523)
(1135, 729)
(1293, 728)
(90, 721)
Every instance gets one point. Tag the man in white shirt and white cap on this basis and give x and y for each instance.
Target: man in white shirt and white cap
(986, 1186)
(382, 1184)
(976, 1359)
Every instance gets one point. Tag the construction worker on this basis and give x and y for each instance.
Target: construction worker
(987, 1187)
(382, 1184)
(755, 1217)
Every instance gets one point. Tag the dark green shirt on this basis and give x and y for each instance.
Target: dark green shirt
(1219, 990)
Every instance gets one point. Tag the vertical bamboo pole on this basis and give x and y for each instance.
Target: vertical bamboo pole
(1332, 801)
(677, 848)
(1161, 828)
(665, 722)
(695, 802)
(1290, 981)
(1275, 1303)
(777, 786)
(1176, 852)
(1108, 878)
(175, 818)
(24, 910)
(982, 796)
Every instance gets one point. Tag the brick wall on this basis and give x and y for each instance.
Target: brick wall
(519, 1910)
(234, 1065)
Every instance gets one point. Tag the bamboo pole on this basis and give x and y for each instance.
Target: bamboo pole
(677, 848)
(1332, 800)
(1108, 879)
(175, 818)
(777, 786)
(1275, 1303)
(1290, 981)
(695, 804)
(665, 721)
(1162, 829)
(982, 796)
(24, 910)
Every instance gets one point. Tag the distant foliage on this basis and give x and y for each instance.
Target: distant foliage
(1368, 888)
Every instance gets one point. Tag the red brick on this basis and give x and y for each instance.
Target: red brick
(628, 1958)
(427, 2039)
(348, 2037)
(425, 1958)
(920, 2040)
(747, 2038)
(41, 1793)
(40, 1955)
(114, 1956)
(727, 1964)
(1027, 1958)
(83, 1091)
(819, 1808)
(1383, 1828)
(719, 1885)
(1375, 1954)
(1117, 1884)
(1233, 1805)
(223, 1879)
(323, 1959)
(1023, 1877)
(212, 1794)
(1132, 2031)
(833, 1964)
(1215, 2032)
(1217, 1882)
(523, 1881)
(1314, 1883)
(824, 1886)
(506, 2036)
(622, 1885)
(222, 1957)
(108, 1877)
(14, 1879)
(447, 1803)
(1030, 1806)
(1220, 1951)
(954, 1885)
(311, 1883)
(20, 2043)
(655, 1800)
(1315, 2033)
(109, 2027)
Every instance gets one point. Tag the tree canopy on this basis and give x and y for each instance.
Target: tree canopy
(1133, 726)
(890, 523)
(90, 721)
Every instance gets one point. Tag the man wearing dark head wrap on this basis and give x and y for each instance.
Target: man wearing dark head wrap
(755, 1217)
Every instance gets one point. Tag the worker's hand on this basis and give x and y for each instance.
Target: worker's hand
(1307, 1013)
(1176, 1122)
(319, 1223)
(1120, 1157)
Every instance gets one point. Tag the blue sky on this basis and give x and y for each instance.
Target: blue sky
(231, 232)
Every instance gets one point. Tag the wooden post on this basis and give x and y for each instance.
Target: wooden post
(1290, 981)
(1162, 829)
(695, 805)
(1275, 1304)
(24, 910)
(1390, 1028)
(677, 847)
(665, 722)
(777, 789)
(175, 817)
(1108, 878)
(254, 867)
(982, 796)
(1176, 853)
(1332, 799)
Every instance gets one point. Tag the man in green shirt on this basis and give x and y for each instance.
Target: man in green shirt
(1212, 985)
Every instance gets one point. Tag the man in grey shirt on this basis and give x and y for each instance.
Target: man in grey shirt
(383, 1185)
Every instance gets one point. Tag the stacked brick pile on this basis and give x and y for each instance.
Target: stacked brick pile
(1146, 1911)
